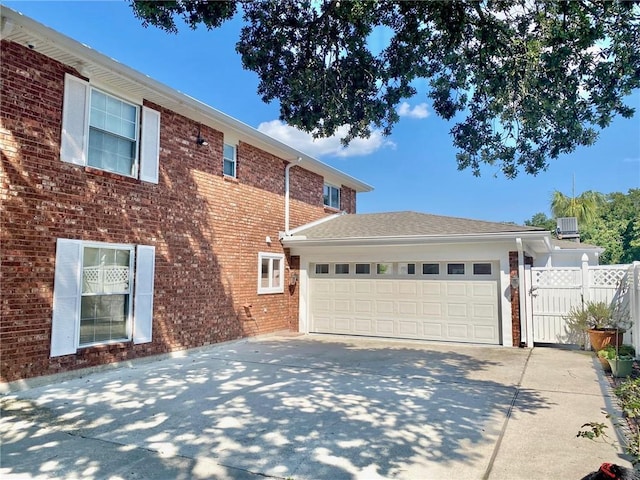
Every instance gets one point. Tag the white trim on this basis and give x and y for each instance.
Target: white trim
(143, 299)
(271, 288)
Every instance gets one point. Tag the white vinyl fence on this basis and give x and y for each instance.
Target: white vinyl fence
(553, 291)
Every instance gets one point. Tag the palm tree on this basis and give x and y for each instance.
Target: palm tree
(584, 207)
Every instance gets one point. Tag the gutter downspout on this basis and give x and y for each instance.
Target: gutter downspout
(286, 194)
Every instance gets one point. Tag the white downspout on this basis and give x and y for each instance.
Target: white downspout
(286, 194)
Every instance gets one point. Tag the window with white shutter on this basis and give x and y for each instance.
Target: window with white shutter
(95, 298)
(106, 132)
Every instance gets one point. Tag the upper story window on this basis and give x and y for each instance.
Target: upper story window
(331, 196)
(106, 132)
(229, 160)
(113, 134)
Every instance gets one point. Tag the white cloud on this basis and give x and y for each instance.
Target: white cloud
(419, 111)
(329, 146)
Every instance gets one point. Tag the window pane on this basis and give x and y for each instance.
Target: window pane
(335, 198)
(384, 269)
(322, 268)
(342, 268)
(229, 168)
(111, 153)
(229, 152)
(482, 269)
(430, 269)
(407, 268)
(363, 268)
(264, 273)
(103, 318)
(275, 278)
(455, 268)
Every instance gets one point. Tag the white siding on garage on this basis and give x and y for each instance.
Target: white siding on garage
(413, 307)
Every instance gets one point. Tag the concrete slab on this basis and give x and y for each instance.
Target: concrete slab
(307, 407)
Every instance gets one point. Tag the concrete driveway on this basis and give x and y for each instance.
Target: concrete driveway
(314, 407)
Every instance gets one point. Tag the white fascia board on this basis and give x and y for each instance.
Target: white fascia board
(22, 27)
(301, 242)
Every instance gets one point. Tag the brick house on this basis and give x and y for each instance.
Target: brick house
(136, 220)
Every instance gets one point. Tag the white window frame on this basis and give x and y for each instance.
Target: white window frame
(132, 259)
(270, 288)
(74, 147)
(326, 196)
(136, 139)
(233, 161)
(67, 295)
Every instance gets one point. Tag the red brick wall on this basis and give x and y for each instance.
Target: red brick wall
(516, 323)
(207, 229)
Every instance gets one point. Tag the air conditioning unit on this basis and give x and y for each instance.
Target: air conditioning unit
(567, 228)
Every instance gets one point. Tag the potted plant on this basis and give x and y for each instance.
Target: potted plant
(604, 324)
(617, 359)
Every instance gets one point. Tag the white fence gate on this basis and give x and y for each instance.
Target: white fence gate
(553, 291)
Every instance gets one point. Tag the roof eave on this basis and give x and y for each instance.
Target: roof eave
(303, 241)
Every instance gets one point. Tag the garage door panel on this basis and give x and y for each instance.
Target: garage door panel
(483, 311)
(363, 306)
(343, 287)
(364, 286)
(384, 287)
(384, 306)
(479, 290)
(458, 331)
(342, 305)
(433, 330)
(384, 327)
(362, 326)
(342, 325)
(408, 328)
(408, 288)
(408, 308)
(455, 310)
(484, 333)
(431, 288)
(457, 289)
(432, 310)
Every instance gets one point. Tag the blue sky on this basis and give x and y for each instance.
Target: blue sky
(413, 169)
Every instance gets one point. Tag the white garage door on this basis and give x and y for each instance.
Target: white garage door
(462, 310)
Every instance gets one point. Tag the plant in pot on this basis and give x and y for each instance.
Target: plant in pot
(617, 359)
(604, 324)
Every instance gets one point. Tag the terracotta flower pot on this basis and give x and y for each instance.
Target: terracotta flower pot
(603, 337)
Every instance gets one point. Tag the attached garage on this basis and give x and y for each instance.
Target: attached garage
(396, 304)
(414, 276)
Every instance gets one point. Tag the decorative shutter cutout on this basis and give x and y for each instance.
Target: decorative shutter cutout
(75, 121)
(150, 145)
(143, 303)
(66, 293)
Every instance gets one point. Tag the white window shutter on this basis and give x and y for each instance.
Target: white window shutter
(75, 121)
(143, 303)
(66, 301)
(150, 145)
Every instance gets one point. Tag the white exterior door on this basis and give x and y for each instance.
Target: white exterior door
(461, 310)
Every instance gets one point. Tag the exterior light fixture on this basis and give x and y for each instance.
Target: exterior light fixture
(200, 140)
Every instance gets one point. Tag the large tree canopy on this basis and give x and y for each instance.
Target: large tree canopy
(524, 81)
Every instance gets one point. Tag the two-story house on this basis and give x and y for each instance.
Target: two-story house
(135, 219)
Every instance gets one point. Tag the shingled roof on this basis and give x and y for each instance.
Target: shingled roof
(398, 224)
